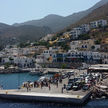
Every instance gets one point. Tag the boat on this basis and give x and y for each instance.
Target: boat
(100, 91)
(102, 88)
(36, 71)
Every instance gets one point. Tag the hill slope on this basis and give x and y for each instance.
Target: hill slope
(97, 14)
(24, 33)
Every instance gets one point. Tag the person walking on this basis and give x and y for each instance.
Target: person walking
(57, 84)
(49, 87)
(62, 90)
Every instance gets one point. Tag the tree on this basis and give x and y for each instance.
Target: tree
(93, 47)
(68, 30)
(54, 38)
(98, 41)
(24, 44)
(6, 65)
(11, 59)
(65, 46)
(63, 66)
(84, 37)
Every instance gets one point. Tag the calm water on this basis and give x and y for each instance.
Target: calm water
(91, 104)
(12, 81)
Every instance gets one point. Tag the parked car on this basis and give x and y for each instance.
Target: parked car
(64, 76)
(86, 87)
(70, 73)
(74, 80)
(76, 86)
(69, 86)
(71, 81)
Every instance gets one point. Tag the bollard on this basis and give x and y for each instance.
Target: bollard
(78, 96)
(6, 92)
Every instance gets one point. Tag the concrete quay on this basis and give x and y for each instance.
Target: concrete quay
(44, 97)
(54, 95)
(56, 70)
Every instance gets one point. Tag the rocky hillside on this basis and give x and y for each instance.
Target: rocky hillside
(97, 14)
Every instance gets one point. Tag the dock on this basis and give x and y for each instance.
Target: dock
(56, 70)
(54, 95)
(44, 97)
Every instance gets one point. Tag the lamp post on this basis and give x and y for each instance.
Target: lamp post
(18, 80)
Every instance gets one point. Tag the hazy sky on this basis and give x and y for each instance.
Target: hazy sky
(12, 11)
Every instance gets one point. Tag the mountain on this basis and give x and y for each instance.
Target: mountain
(57, 23)
(97, 14)
(35, 29)
(52, 21)
(4, 26)
(98, 34)
(11, 34)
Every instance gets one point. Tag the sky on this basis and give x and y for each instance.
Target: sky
(17, 11)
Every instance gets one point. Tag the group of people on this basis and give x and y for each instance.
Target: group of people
(46, 82)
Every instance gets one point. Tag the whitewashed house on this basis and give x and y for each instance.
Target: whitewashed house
(75, 32)
(24, 62)
(20, 61)
(85, 28)
(40, 59)
(74, 45)
(99, 23)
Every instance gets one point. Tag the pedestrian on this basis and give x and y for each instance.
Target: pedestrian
(27, 88)
(49, 87)
(41, 85)
(57, 84)
(62, 90)
(64, 86)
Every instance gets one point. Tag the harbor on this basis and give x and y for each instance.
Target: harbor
(64, 86)
(54, 94)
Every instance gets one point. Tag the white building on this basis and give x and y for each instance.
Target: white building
(12, 51)
(47, 37)
(24, 61)
(20, 61)
(75, 32)
(105, 61)
(85, 55)
(74, 45)
(99, 23)
(97, 47)
(47, 55)
(85, 28)
(40, 59)
(85, 45)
